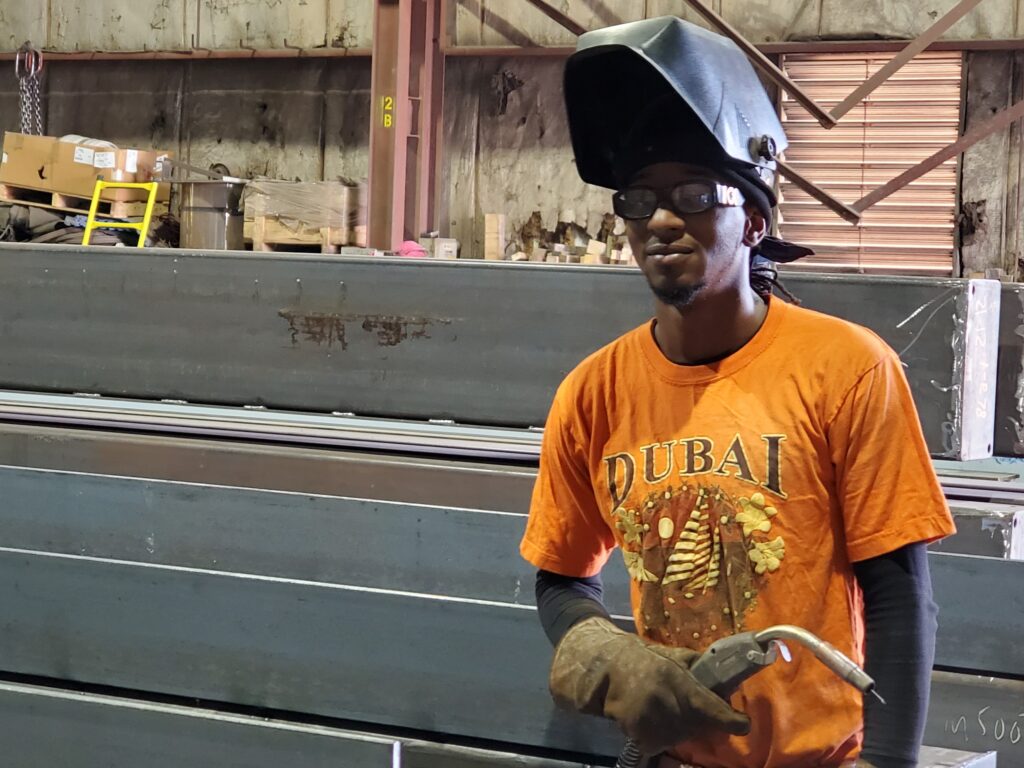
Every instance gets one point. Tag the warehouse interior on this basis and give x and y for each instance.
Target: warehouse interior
(270, 419)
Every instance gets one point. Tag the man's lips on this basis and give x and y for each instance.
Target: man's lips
(668, 252)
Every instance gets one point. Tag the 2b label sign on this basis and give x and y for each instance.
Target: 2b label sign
(388, 112)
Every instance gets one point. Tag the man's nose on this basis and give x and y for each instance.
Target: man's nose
(666, 225)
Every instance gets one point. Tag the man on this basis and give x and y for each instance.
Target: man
(756, 463)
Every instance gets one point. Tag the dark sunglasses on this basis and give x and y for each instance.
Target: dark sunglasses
(689, 197)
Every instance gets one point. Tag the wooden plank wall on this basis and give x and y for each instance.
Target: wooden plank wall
(506, 141)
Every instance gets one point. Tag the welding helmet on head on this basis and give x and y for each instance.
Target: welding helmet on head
(664, 89)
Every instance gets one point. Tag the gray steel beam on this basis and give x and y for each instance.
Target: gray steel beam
(1009, 425)
(393, 546)
(384, 477)
(381, 337)
(981, 613)
(45, 727)
(435, 663)
(977, 714)
(442, 665)
(388, 545)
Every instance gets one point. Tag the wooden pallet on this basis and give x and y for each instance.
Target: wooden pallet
(42, 198)
(268, 233)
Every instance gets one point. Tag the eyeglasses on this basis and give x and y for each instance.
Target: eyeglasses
(689, 197)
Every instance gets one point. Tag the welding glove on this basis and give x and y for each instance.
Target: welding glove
(646, 688)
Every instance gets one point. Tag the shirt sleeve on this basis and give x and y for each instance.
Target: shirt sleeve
(888, 492)
(566, 533)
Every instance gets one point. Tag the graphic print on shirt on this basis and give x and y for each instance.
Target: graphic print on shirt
(697, 532)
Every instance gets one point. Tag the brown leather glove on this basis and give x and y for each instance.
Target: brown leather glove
(646, 688)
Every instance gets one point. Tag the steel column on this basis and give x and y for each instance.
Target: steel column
(389, 122)
(429, 61)
(408, 71)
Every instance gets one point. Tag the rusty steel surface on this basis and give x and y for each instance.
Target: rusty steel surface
(474, 342)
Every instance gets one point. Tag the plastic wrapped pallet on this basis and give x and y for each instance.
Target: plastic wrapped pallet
(330, 213)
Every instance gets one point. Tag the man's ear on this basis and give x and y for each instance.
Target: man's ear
(756, 227)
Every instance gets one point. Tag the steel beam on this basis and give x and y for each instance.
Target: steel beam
(556, 15)
(463, 553)
(977, 713)
(981, 613)
(444, 552)
(380, 658)
(381, 338)
(405, 121)
(829, 118)
(763, 63)
(831, 202)
(382, 477)
(1009, 425)
(389, 124)
(998, 122)
(47, 726)
(896, 63)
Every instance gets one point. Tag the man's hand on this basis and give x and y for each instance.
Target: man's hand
(646, 688)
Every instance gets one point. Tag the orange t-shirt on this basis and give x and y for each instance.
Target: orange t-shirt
(740, 492)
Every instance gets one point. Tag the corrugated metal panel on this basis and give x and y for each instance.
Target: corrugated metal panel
(913, 115)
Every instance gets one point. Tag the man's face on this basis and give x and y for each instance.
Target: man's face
(682, 254)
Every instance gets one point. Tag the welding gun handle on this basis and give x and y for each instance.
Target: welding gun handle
(728, 662)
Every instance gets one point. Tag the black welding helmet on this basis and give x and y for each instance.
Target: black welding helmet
(662, 89)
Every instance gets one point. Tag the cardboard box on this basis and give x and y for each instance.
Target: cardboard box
(446, 248)
(51, 165)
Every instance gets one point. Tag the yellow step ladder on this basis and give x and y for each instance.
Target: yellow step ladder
(142, 227)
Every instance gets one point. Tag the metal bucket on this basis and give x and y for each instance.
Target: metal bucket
(211, 215)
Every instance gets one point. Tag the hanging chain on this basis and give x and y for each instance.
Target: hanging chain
(28, 68)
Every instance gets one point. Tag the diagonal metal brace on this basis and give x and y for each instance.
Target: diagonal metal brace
(929, 36)
(780, 78)
(834, 204)
(996, 123)
(553, 13)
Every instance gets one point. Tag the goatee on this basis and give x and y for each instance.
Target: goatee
(678, 296)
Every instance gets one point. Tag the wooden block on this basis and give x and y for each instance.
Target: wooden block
(595, 253)
(259, 235)
(494, 236)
